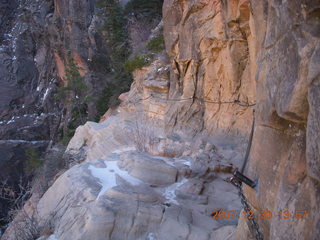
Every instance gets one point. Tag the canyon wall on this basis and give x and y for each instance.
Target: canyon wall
(212, 50)
(285, 152)
(263, 52)
(36, 37)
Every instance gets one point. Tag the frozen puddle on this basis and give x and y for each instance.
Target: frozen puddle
(107, 176)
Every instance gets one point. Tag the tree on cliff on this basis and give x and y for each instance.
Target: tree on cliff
(75, 98)
(116, 39)
(115, 31)
(151, 10)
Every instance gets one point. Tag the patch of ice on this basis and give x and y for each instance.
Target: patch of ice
(169, 192)
(107, 176)
(38, 88)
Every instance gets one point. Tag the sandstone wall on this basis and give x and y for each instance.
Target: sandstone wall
(285, 153)
(263, 52)
(212, 50)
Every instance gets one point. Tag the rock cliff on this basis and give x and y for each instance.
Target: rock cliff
(36, 37)
(155, 167)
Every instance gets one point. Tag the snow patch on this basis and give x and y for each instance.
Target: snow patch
(151, 236)
(10, 121)
(184, 161)
(52, 237)
(169, 192)
(23, 141)
(107, 176)
(45, 94)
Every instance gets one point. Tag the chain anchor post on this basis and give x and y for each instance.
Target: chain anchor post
(242, 178)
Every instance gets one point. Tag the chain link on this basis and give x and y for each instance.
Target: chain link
(253, 224)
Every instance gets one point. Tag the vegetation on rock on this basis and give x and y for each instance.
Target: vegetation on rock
(137, 62)
(156, 44)
(75, 97)
(151, 10)
(33, 160)
(116, 38)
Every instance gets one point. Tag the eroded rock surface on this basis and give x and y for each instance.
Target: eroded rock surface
(127, 194)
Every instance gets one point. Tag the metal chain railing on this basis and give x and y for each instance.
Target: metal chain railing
(250, 216)
(236, 101)
(237, 180)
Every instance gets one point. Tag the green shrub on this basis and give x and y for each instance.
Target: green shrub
(110, 94)
(33, 160)
(137, 62)
(68, 135)
(116, 39)
(76, 85)
(156, 44)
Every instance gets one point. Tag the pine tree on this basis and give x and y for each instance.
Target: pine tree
(74, 96)
(116, 39)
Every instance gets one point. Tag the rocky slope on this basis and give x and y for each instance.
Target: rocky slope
(154, 167)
